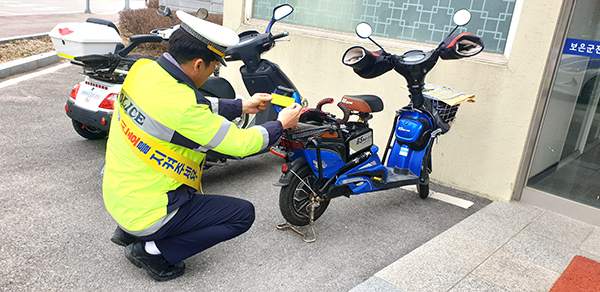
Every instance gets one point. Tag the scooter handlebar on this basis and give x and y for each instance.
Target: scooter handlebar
(281, 35)
(324, 102)
(346, 111)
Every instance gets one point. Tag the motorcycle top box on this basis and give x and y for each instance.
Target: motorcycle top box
(76, 39)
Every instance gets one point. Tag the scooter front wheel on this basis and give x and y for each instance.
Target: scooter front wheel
(423, 184)
(296, 199)
(423, 190)
(89, 132)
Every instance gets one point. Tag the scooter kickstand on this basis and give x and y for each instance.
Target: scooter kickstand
(305, 237)
(286, 225)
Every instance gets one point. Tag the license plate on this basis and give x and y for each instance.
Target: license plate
(89, 97)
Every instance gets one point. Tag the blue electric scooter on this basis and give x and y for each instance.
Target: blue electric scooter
(328, 157)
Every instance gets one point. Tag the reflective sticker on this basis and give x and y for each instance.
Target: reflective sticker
(404, 150)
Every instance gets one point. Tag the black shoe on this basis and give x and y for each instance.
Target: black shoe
(122, 238)
(156, 265)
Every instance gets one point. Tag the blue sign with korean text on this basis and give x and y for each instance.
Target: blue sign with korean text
(582, 48)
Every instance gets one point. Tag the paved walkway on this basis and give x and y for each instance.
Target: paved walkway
(503, 247)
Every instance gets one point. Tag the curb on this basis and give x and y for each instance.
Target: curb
(28, 64)
(23, 37)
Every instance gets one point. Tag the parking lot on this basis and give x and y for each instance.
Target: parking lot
(55, 230)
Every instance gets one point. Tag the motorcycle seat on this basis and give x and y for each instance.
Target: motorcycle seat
(364, 103)
(217, 87)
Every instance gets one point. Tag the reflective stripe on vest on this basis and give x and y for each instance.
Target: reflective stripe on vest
(159, 131)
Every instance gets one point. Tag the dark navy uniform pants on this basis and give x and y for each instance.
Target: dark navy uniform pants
(201, 223)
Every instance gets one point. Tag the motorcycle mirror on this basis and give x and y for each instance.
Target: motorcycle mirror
(202, 13)
(279, 13)
(364, 30)
(462, 17)
(282, 11)
(163, 10)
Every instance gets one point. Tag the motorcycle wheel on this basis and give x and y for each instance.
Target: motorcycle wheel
(89, 132)
(294, 199)
(242, 122)
(423, 184)
(423, 188)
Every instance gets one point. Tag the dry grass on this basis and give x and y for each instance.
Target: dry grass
(142, 21)
(132, 22)
(18, 49)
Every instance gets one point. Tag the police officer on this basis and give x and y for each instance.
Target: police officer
(161, 131)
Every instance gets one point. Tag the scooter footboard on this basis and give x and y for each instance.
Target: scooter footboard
(404, 157)
(412, 138)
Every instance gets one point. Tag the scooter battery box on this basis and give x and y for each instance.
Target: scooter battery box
(76, 39)
(359, 138)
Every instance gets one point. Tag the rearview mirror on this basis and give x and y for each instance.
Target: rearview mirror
(202, 13)
(462, 17)
(282, 11)
(364, 30)
(163, 10)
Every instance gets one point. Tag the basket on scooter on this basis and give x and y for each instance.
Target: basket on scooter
(445, 101)
(446, 112)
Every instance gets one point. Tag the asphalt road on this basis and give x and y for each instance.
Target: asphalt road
(55, 231)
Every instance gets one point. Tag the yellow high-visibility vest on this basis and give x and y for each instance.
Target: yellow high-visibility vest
(158, 113)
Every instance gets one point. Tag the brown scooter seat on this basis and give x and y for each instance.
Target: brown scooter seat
(365, 103)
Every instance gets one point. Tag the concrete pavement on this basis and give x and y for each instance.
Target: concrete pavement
(506, 246)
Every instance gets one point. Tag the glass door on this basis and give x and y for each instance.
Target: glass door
(566, 159)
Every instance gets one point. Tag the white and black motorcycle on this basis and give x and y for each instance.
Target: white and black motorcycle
(91, 102)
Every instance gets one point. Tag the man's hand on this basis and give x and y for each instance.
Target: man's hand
(258, 102)
(289, 116)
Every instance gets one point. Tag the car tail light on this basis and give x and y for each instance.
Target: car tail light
(291, 144)
(75, 90)
(109, 102)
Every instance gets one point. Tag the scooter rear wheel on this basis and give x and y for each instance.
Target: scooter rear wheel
(242, 121)
(89, 132)
(295, 198)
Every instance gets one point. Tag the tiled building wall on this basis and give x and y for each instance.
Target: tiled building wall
(425, 21)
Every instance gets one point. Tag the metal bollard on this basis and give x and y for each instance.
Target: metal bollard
(87, 7)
